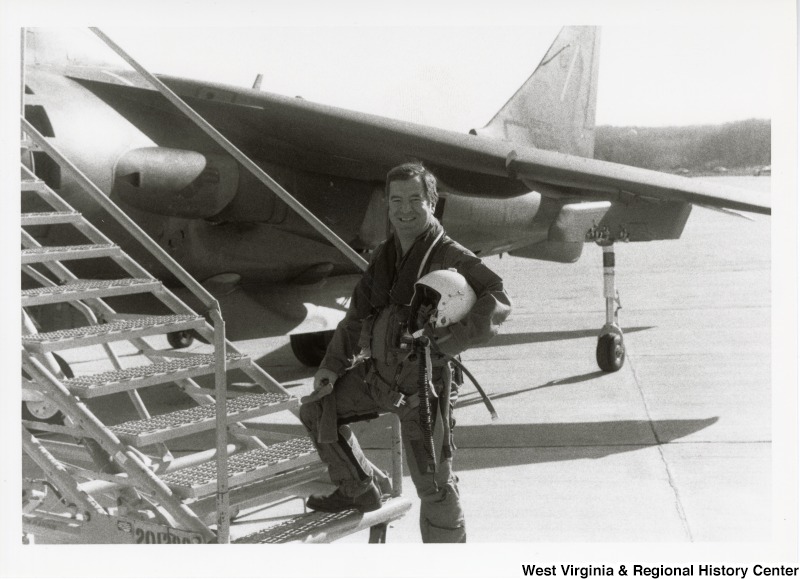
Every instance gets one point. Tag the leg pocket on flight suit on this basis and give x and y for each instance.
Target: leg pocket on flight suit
(441, 517)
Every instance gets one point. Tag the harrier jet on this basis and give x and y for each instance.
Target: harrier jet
(525, 184)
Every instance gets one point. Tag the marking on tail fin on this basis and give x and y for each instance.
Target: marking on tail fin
(546, 61)
(569, 73)
(554, 109)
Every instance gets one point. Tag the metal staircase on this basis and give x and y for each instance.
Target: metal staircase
(121, 483)
(133, 489)
(165, 367)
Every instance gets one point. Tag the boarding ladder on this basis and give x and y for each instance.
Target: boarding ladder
(122, 482)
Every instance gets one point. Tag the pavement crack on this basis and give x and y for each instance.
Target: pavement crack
(660, 446)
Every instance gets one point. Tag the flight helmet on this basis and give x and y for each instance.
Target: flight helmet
(441, 298)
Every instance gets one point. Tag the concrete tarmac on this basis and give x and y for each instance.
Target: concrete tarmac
(676, 447)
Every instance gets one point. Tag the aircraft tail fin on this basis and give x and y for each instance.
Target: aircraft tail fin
(555, 108)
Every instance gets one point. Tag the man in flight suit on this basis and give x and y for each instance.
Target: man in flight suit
(370, 371)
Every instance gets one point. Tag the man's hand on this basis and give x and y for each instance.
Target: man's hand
(325, 378)
(323, 385)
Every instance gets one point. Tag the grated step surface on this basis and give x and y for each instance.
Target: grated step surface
(298, 528)
(116, 330)
(243, 468)
(317, 527)
(87, 289)
(92, 385)
(65, 252)
(199, 418)
(50, 218)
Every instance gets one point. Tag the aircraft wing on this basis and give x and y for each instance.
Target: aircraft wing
(314, 137)
(621, 180)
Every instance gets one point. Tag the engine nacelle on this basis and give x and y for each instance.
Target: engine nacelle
(175, 182)
(491, 226)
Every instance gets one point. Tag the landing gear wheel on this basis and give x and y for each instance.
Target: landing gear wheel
(45, 411)
(610, 352)
(182, 339)
(310, 349)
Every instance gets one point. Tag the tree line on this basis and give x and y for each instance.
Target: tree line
(739, 146)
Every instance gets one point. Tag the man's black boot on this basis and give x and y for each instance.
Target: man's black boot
(336, 502)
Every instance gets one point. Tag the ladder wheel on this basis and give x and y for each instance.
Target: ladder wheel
(610, 352)
(310, 349)
(45, 411)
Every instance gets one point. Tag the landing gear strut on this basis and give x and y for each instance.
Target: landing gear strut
(610, 344)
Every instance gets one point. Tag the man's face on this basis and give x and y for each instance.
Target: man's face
(409, 210)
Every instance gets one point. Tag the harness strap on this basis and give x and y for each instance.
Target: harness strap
(424, 261)
(445, 409)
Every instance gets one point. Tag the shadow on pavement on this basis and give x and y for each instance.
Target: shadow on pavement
(283, 366)
(515, 444)
(536, 337)
(467, 388)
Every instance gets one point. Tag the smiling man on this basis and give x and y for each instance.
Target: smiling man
(370, 369)
(411, 204)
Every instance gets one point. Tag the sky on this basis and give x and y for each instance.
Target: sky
(662, 63)
(457, 77)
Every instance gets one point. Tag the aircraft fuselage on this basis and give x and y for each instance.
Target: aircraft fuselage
(214, 217)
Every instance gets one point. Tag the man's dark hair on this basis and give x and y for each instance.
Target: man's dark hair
(408, 171)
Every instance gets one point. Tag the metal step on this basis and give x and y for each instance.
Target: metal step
(317, 527)
(199, 418)
(93, 385)
(243, 468)
(87, 289)
(34, 186)
(277, 488)
(65, 252)
(50, 218)
(113, 331)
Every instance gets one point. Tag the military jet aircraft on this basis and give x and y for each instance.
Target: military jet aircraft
(524, 184)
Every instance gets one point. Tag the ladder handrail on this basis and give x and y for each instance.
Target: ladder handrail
(223, 492)
(240, 157)
(22, 75)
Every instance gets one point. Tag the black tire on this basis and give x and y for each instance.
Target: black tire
(46, 412)
(310, 349)
(182, 339)
(610, 352)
